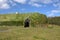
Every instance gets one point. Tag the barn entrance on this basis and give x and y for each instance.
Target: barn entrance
(26, 22)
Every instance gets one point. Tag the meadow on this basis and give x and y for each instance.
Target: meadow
(52, 32)
(12, 27)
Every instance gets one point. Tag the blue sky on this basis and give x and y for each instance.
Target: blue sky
(50, 8)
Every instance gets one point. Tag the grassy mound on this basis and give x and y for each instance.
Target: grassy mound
(18, 19)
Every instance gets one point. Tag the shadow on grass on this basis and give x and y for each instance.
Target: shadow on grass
(11, 23)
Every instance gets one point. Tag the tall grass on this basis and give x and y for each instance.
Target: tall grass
(31, 33)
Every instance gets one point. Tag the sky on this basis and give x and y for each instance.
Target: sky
(50, 8)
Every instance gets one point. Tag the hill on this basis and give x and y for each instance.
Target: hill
(14, 19)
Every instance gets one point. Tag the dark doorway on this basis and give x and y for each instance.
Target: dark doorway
(26, 23)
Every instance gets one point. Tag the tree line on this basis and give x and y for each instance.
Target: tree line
(54, 20)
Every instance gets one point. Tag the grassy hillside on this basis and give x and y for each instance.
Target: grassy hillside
(13, 19)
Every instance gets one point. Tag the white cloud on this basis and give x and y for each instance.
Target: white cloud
(53, 12)
(45, 1)
(12, 3)
(55, 0)
(3, 1)
(54, 5)
(35, 4)
(57, 5)
(4, 4)
(21, 1)
(42, 1)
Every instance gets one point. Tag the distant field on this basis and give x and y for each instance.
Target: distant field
(31, 33)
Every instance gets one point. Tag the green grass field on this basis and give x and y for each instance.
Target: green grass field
(31, 33)
(9, 30)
